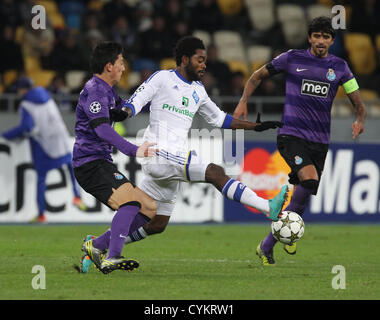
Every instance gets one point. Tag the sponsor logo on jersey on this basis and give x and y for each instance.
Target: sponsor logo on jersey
(298, 160)
(185, 101)
(118, 176)
(315, 88)
(330, 75)
(184, 112)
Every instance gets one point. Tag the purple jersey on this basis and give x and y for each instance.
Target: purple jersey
(311, 86)
(95, 101)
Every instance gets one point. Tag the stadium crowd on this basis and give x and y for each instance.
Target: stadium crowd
(240, 35)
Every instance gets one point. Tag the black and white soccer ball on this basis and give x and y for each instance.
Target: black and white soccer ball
(289, 228)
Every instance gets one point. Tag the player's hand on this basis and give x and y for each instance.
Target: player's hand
(146, 150)
(118, 115)
(357, 128)
(241, 109)
(262, 126)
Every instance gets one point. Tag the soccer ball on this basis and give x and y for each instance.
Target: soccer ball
(289, 228)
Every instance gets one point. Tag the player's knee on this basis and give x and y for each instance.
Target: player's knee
(311, 184)
(121, 196)
(157, 225)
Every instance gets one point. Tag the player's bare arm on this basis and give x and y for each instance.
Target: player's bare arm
(360, 112)
(251, 85)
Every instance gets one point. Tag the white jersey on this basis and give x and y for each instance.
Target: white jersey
(49, 129)
(173, 103)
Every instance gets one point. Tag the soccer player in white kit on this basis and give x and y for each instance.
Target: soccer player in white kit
(175, 96)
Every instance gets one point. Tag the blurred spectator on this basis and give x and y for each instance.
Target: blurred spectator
(210, 84)
(60, 92)
(67, 54)
(122, 33)
(115, 9)
(145, 73)
(174, 12)
(10, 13)
(11, 58)
(144, 16)
(42, 124)
(38, 43)
(218, 68)
(156, 42)
(365, 17)
(180, 29)
(89, 42)
(234, 89)
(207, 16)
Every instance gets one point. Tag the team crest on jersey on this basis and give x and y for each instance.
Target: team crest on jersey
(95, 107)
(298, 160)
(118, 176)
(196, 97)
(330, 75)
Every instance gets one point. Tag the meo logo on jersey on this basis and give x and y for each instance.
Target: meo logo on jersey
(315, 88)
(95, 107)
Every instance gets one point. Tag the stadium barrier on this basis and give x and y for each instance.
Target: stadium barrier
(349, 189)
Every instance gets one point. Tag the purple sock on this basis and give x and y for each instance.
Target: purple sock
(102, 242)
(268, 243)
(298, 203)
(300, 200)
(120, 226)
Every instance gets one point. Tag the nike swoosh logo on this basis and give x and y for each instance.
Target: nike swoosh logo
(121, 236)
(299, 70)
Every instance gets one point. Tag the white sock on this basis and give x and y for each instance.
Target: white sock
(237, 191)
(136, 235)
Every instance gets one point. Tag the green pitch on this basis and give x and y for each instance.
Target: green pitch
(194, 262)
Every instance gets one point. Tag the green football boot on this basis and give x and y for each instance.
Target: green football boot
(96, 255)
(277, 203)
(267, 259)
(118, 263)
(290, 248)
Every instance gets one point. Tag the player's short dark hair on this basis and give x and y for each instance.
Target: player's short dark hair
(103, 53)
(187, 46)
(321, 24)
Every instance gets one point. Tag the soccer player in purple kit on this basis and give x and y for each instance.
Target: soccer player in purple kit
(312, 80)
(98, 107)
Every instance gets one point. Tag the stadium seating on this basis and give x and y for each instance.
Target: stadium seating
(230, 45)
(204, 36)
(237, 65)
(9, 77)
(361, 52)
(293, 24)
(261, 14)
(74, 78)
(258, 55)
(31, 63)
(168, 63)
(317, 10)
(230, 7)
(42, 77)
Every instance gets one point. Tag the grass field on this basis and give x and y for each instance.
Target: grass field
(194, 262)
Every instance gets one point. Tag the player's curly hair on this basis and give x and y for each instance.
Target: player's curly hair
(321, 24)
(103, 53)
(187, 46)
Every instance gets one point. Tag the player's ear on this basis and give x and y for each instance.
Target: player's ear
(185, 60)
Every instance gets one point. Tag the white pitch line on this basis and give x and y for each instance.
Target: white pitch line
(199, 260)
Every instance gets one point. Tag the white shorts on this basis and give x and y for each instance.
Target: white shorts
(163, 174)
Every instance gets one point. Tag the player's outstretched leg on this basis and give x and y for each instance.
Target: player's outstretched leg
(237, 191)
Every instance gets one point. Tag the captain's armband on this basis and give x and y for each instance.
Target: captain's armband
(350, 86)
